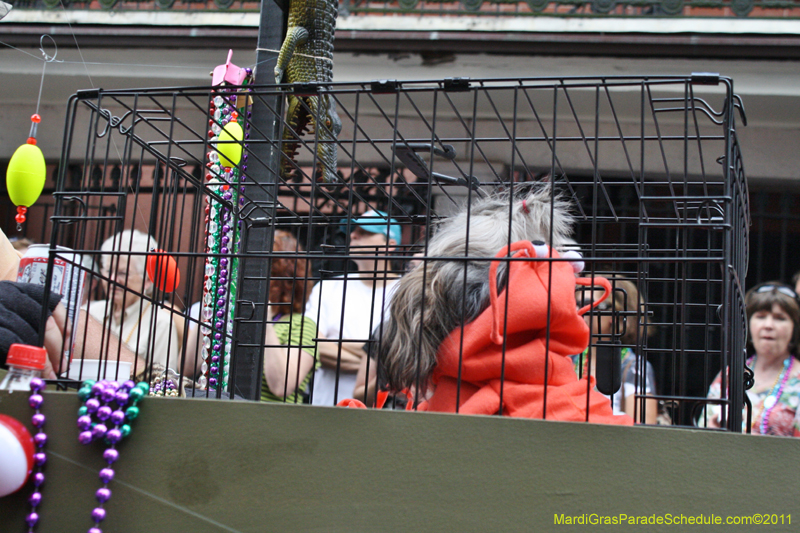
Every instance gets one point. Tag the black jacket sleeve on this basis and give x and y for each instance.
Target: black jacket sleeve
(21, 313)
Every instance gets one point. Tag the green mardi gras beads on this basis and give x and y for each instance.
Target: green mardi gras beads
(131, 412)
(136, 394)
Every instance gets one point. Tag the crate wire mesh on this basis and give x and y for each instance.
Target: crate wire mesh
(650, 166)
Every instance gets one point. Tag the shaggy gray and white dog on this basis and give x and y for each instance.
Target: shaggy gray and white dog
(451, 289)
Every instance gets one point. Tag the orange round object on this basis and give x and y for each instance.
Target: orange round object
(162, 269)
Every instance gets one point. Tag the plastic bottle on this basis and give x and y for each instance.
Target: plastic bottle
(24, 363)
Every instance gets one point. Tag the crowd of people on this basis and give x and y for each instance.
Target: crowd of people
(449, 335)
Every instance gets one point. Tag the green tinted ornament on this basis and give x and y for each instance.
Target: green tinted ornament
(135, 394)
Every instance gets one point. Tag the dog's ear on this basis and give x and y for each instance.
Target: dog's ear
(408, 353)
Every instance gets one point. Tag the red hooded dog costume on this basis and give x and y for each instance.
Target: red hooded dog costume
(531, 360)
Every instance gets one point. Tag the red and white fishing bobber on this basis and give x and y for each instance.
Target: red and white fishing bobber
(16, 454)
(26, 174)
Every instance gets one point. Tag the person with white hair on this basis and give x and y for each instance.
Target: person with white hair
(130, 312)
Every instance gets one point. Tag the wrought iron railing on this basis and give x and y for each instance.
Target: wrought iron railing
(490, 8)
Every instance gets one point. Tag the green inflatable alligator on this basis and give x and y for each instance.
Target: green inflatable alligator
(306, 56)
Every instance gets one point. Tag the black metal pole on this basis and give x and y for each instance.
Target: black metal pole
(263, 167)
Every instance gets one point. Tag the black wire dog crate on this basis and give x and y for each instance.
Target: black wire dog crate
(647, 168)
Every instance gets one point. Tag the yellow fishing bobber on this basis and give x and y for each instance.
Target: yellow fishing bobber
(26, 174)
(229, 145)
(25, 177)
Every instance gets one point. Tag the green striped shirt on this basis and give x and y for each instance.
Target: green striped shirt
(294, 331)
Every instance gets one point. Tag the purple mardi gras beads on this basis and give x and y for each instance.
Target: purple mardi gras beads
(108, 409)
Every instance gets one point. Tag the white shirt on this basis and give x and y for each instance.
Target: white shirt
(363, 308)
(136, 328)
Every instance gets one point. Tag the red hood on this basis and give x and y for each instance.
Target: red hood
(530, 360)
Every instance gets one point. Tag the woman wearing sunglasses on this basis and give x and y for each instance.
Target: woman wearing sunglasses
(773, 313)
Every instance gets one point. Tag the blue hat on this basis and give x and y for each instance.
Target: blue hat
(375, 221)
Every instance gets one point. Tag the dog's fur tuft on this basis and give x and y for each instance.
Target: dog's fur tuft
(441, 295)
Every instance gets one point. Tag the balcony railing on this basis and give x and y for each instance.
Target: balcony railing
(489, 8)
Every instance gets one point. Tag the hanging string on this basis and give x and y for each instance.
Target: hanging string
(22, 51)
(297, 54)
(74, 38)
(47, 59)
(268, 60)
(141, 65)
